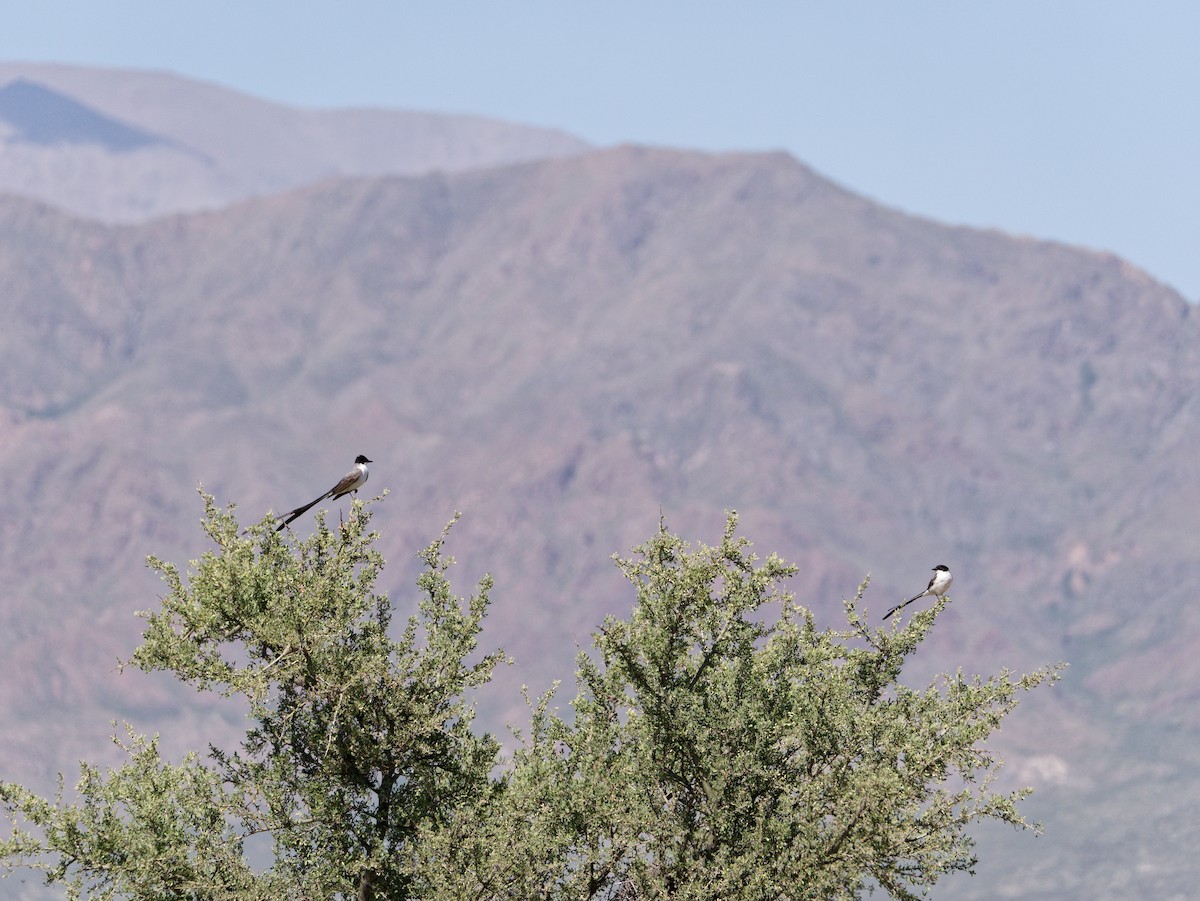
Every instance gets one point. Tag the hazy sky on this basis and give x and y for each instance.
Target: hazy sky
(1076, 120)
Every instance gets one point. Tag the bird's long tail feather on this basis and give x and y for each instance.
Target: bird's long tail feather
(299, 511)
(900, 607)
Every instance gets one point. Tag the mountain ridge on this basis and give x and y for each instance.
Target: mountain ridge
(567, 349)
(218, 146)
(38, 115)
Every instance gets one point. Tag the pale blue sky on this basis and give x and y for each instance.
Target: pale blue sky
(1076, 120)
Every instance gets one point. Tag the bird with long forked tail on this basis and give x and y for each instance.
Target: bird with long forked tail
(939, 584)
(350, 482)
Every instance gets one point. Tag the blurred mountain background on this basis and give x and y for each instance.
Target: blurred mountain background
(565, 342)
(121, 145)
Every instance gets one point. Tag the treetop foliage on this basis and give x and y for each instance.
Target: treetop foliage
(719, 744)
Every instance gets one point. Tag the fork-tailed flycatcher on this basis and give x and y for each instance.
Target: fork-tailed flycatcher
(351, 481)
(938, 586)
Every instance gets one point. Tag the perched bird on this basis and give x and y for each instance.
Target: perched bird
(351, 481)
(938, 586)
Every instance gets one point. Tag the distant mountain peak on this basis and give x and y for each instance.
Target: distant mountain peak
(39, 115)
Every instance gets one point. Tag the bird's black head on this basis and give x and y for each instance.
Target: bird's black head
(361, 459)
(943, 567)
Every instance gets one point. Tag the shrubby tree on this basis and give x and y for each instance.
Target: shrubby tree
(718, 749)
(720, 744)
(359, 739)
